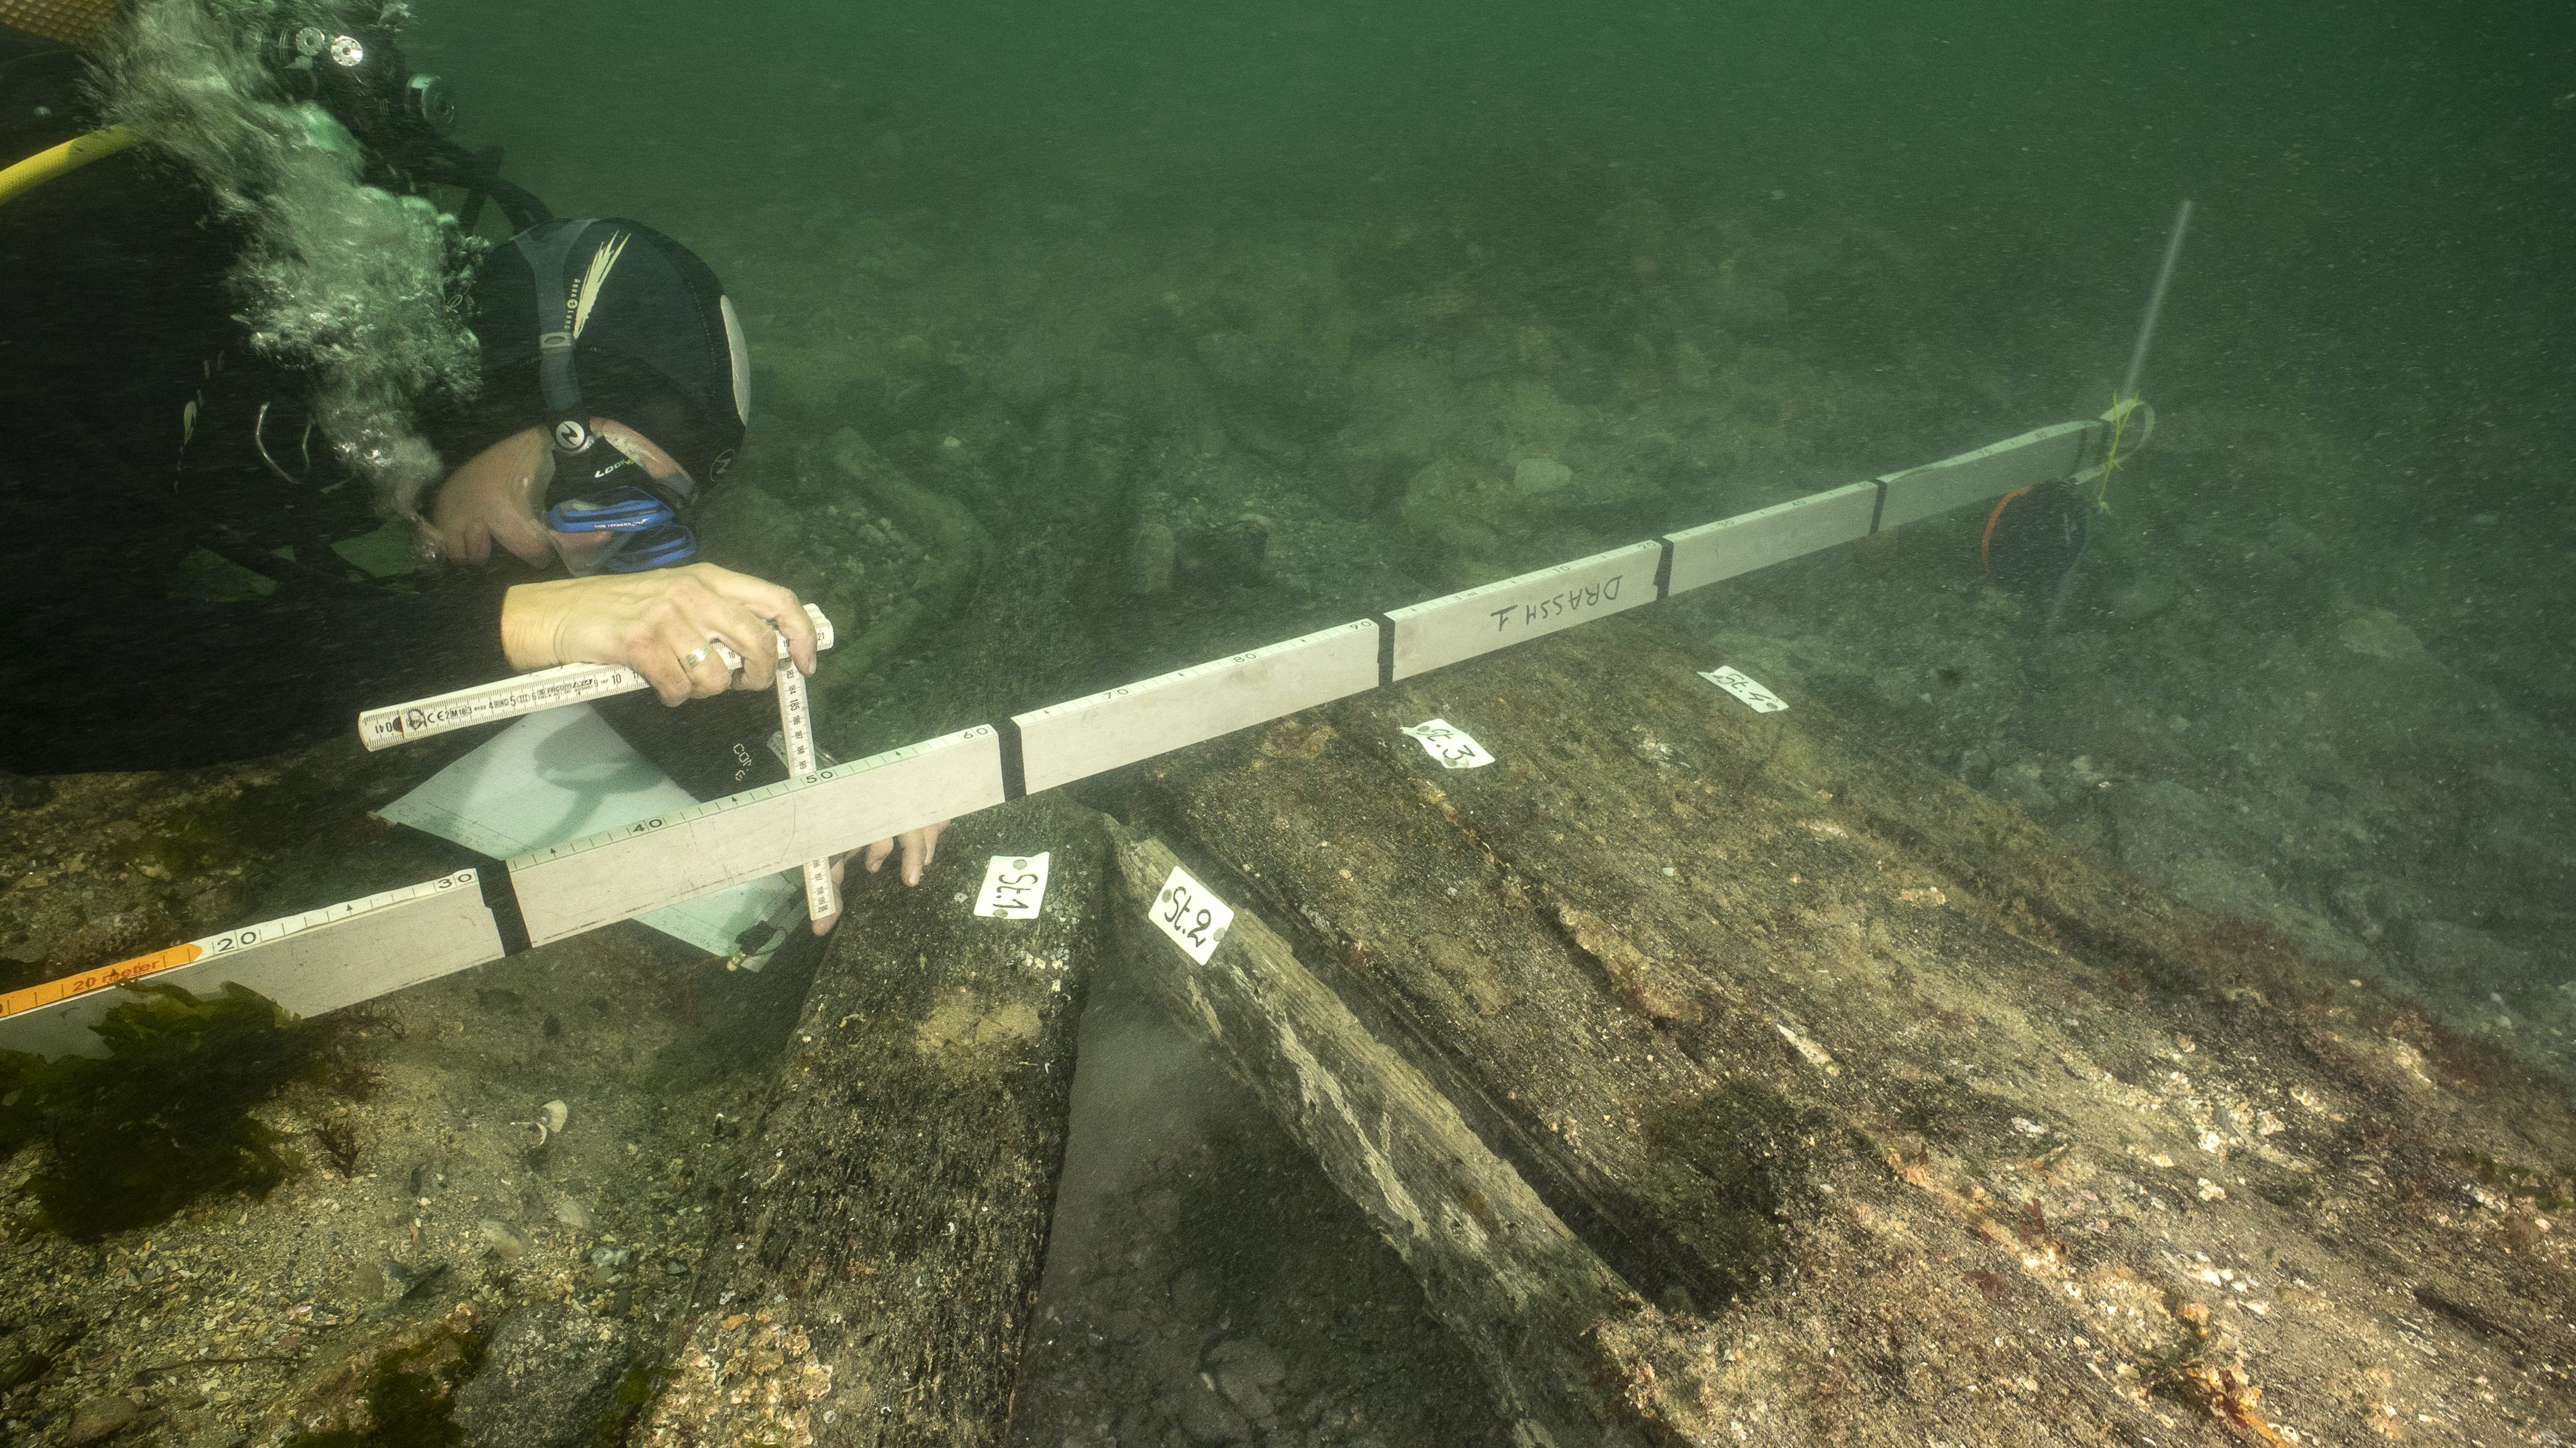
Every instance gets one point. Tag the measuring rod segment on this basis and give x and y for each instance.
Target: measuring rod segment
(583, 884)
(318, 961)
(2026, 461)
(1065, 742)
(1442, 631)
(1713, 552)
(524, 694)
(327, 958)
(796, 733)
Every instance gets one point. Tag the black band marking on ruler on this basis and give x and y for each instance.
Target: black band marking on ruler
(503, 902)
(1878, 505)
(1663, 569)
(1385, 648)
(1015, 770)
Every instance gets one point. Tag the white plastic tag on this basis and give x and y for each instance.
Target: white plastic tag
(1014, 886)
(1450, 745)
(1193, 917)
(1760, 700)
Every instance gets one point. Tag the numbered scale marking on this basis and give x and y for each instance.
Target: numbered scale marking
(1760, 700)
(309, 963)
(796, 732)
(267, 932)
(1191, 914)
(582, 884)
(525, 694)
(1014, 887)
(1451, 745)
(565, 889)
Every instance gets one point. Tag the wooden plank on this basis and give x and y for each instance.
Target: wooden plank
(617, 874)
(2018, 462)
(1444, 630)
(1492, 984)
(310, 963)
(1716, 551)
(873, 1273)
(1531, 1304)
(1068, 741)
(1910, 1094)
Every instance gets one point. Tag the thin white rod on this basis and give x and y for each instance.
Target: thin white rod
(2155, 304)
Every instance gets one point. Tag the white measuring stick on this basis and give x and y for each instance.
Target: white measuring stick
(796, 730)
(317, 961)
(580, 885)
(525, 694)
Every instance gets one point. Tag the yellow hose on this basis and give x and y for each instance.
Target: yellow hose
(71, 155)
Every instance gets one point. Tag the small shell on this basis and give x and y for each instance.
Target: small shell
(573, 1214)
(557, 1113)
(502, 1239)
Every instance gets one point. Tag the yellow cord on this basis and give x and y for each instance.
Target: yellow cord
(2120, 411)
(25, 176)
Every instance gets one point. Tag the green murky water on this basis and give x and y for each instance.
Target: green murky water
(1206, 325)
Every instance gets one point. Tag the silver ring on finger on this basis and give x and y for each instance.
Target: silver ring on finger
(694, 657)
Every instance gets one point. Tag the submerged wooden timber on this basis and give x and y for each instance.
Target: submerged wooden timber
(1524, 1295)
(1916, 1124)
(1721, 1079)
(871, 1277)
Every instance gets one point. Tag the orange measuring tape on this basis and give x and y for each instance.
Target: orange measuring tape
(103, 976)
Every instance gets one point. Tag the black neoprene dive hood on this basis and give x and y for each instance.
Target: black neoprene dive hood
(632, 326)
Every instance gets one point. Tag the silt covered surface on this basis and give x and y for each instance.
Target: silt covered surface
(1907, 1118)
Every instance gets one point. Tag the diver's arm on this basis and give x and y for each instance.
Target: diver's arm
(658, 623)
(119, 679)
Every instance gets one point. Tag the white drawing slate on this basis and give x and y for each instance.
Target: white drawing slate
(558, 776)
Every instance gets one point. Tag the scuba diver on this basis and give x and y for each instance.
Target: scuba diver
(238, 341)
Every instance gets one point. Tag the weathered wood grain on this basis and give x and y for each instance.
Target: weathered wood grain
(1925, 1124)
(1525, 1297)
(872, 1276)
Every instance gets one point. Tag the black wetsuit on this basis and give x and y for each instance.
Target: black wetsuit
(131, 429)
(141, 440)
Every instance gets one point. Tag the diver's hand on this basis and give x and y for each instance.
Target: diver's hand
(918, 846)
(654, 622)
